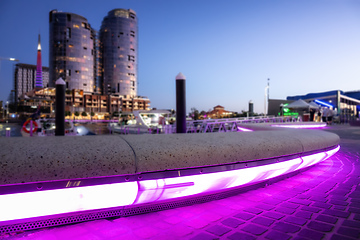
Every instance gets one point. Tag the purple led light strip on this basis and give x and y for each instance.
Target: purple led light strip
(59, 201)
(300, 125)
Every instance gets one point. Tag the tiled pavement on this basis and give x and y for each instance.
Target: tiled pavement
(320, 203)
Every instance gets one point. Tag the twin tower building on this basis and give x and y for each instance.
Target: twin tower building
(103, 62)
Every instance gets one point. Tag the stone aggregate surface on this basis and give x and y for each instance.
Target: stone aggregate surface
(63, 157)
(322, 202)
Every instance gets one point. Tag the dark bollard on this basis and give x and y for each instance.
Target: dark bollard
(8, 132)
(31, 128)
(60, 107)
(180, 103)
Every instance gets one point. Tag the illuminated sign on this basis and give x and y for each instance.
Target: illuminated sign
(287, 112)
(324, 103)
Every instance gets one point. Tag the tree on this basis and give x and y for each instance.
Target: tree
(67, 113)
(194, 113)
(92, 114)
(84, 114)
(77, 114)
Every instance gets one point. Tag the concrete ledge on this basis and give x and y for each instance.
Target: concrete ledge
(24, 160)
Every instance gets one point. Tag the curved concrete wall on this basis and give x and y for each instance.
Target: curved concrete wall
(24, 160)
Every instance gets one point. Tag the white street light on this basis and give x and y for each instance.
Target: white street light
(9, 59)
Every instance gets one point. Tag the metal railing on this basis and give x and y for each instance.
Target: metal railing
(207, 125)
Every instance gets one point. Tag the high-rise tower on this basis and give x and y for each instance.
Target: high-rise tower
(118, 52)
(39, 80)
(72, 52)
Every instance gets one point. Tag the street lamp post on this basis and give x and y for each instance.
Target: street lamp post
(7, 111)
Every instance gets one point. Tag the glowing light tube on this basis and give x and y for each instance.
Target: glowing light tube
(324, 103)
(171, 188)
(321, 125)
(68, 200)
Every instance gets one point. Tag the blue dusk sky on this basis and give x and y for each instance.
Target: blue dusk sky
(226, 49)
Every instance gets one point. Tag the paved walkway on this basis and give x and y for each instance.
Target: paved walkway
(320, 203)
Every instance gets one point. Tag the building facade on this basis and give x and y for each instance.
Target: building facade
(72, 51)
(100, 70)
(345, 103)
(25, 78)
(118, 52)
(78, 102)
(219, 112)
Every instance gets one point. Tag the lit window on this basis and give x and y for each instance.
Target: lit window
(70, 45)
(76, 26)
(68, 33)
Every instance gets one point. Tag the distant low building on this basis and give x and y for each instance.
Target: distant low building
(79, 101)
(347, 104)
(219, 112)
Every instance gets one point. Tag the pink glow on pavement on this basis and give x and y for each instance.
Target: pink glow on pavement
(68, 200)
(244, 129)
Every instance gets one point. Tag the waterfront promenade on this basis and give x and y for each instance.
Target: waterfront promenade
(322, 202)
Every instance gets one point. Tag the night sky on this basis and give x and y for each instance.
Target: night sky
(226, 49)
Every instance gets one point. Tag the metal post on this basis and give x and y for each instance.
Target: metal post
(31, 128)
(180, 104)
(8, 132)
(7, 112)
(60, 107)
